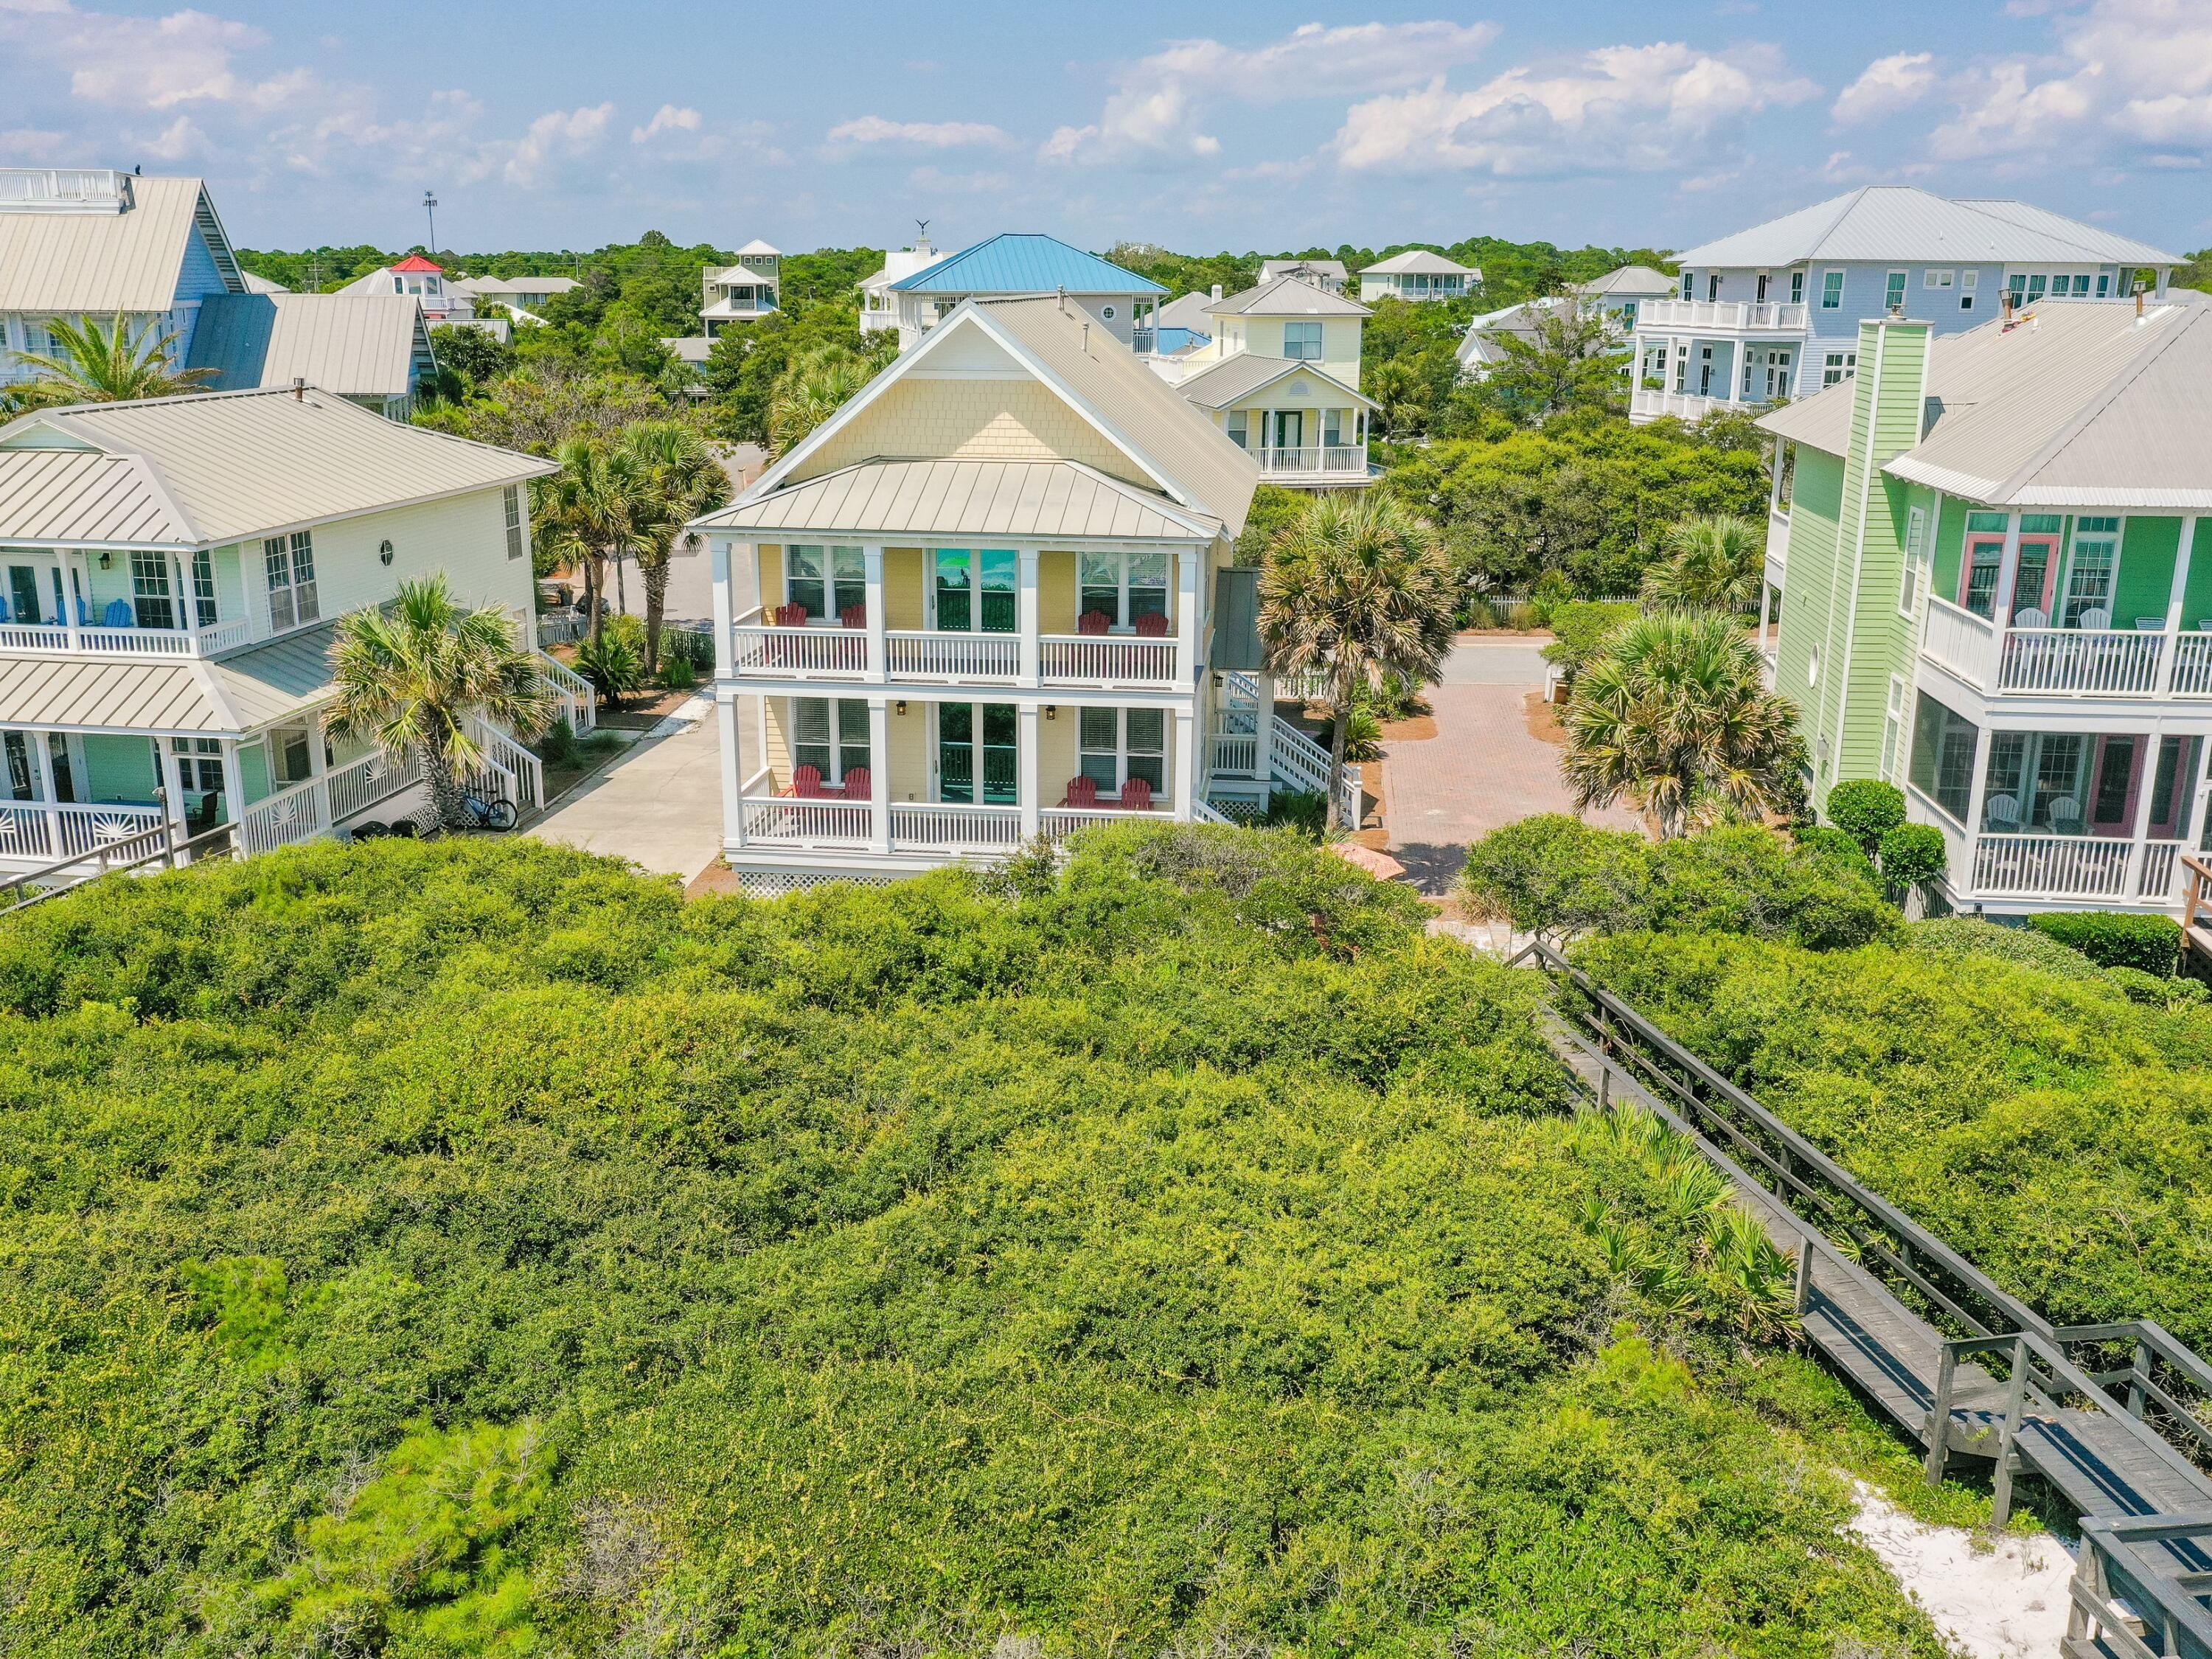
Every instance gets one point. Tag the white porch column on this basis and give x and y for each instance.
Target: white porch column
(1186, 765)
(233, 779)
(734, 810)
(872, 560)
(69, 568)
(724, 613)
(1189, 562)
(1028, 764)
(42, 763)
(2008, 574)
(880, 739)
(2177, 594)
(2145, 769)
(1964, 881)
(1028, 626)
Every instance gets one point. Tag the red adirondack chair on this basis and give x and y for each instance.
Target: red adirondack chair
(806, 783)
(858, 783)
(1153, 625)
(1093, 622)
(1136, 795)
(789, 616)
(853, 615)
(1081, 792)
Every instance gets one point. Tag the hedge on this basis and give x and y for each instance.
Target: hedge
(2116, 939)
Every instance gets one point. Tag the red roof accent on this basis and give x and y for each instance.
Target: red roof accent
(416, 262)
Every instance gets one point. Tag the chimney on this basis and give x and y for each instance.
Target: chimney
(299, 389)
(1216, 290)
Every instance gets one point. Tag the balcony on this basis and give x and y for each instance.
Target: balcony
(1314, 463)
(1777, 545)
(818, 652)
(1647, 404)
(1722, 317)
(786, 822)
(2073, 662)
(2006, 867)
(49, 638)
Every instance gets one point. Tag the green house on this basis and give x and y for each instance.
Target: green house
(1982, 543)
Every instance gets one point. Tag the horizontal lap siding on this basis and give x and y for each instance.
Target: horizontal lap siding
(1882, 641)
(1807, 593)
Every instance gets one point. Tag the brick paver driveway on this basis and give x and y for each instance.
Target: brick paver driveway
(1483, 769)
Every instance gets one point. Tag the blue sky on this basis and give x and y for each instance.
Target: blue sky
(564, 125)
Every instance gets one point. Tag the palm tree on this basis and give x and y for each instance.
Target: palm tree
(809, 390)
(599, 506)
(1675, 716)
(1714, 563)
(685, 480)
(411, 678)
(93, 365)
(1354, 590)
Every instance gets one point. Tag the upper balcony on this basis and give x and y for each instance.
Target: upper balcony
(1649, 403)
(1720, 317)
(778, 646)
(128, 640)
(1310, 465)
(2090, 659)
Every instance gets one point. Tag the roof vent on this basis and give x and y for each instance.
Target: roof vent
(1216, 290)
(1063, 302)
(299, 389)
(1086, 337)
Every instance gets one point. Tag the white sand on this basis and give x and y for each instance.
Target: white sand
(1990, 1596)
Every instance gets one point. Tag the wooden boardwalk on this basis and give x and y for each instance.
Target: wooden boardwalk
(2115, 1444)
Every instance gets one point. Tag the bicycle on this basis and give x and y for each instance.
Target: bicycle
(496, 814)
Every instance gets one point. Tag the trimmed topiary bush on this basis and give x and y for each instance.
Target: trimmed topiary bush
(2111, 940)
(1823, 841)
(1913, 854)
(1866, 809)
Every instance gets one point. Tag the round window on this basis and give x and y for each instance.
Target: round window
(1107, 311)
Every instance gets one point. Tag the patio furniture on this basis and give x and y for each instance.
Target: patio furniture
(2150, 624)
(1081, 792)
(2065, 815)
(2003, 812)
(789, 616)
(858, 785)
(2030, 617)
(1153, 625)
(2095, 620)
(853, 615)
(1093, 622)
(806, 783)
(1136, 795)
(117, 615)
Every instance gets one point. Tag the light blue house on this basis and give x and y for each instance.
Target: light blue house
(1010, 264)
(1774, 312)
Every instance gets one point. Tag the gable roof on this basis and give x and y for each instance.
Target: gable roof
(491, 288)
(1014, 263)
(1246, 373)
(1193, 463)
(2076, 405)
(757, 249)
(1271, 268)
(354, 344)
(1418, 261)
(241, 463)
(1187, 311)
(84, 498)
(1287, 296)
(1903, 222)
(261, 284)
(1023, 499)
(131, 260)
(1631, 283)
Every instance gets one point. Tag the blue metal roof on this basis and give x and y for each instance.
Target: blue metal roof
(1014, 263)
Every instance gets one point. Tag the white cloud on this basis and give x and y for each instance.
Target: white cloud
(935, 180)
(1620, 108)
(669, 117)
(554, 138)
(1154, 112)
(1887, 86)
(179, 139)
(22, 145)
(870, 129)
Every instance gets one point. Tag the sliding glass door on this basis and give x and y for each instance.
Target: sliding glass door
(977, 756)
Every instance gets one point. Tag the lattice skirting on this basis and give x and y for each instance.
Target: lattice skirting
(774, 883)
(1242, 809)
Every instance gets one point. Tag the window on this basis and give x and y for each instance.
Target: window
(975, 591)
(2035, 287)
(39, 337)
(2089, 576)
(2115, 766)
(974, 738)
(1934, 278)
(1796, 288)
(1332, 425)
(199, 764)
(1302, 341)
(290, 564)
(2081, 286)
(1713, 286)
(1893, 726)
(831, 735)
(150, 591)
(399, 285)
(1689, 286)
(828, 580)
(1915, 537)
(1628, 314)
(1239, 428)
(1943, 757)
(2104, 284)
(1831, 291)
(204, 607)
(517, 542)
(1124, 586)
(1893, 298)
(1107, 311)
(1761, 295)
(1813, 669)
(1119, 744)
(1838, 366)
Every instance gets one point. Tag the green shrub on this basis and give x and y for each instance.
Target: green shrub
(1914, 854)
(1823, 841)
(1955, 939)
(2115, 939)
(614, 663)
(1524, 618)
(1579, 630)
(1477, 614)
(558, 746)
(1866, 809)
(1305, 811)
(677, 674)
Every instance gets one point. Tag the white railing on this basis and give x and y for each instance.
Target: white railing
(98, 188)
(1646, 404)
(1310, 460)
(1106, 659)
(560, 628)
(2192, 665)
(1777, 544)
(579, 699)
(1748, 316)
(299, 813)
(1297, 759)
(933, 655)
(34, 830)
(1204, 811)
(954, 824)
(44, 637)
(1237, 754)
(841, 653)
(1962, 641)
(512, 760)
(817, 823)
(2073, 866)
(1059, 823)
(361, 784)
(2109, 662)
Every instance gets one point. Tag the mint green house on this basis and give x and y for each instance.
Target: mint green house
(1993, 593)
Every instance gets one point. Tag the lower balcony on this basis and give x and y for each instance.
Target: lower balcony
(1649, 403)
(1314, 463)
(956, 828)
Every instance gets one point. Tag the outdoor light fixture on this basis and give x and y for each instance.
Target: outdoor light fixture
(1051, 711)
(901, 706)
(107, 562)
(384, 552)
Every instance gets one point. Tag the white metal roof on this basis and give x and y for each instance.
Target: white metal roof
(98, 263)
(1287, 296)
(1419, 261)
(2076, 405)
(491, 288)
(229, 696)
(81, 498)
(1905, 223)
(1017, 500)
(239, 464)
(1239, 376)
(758, 249)
(354, 344)
(1630, 282)
(261, 284)
(1271, 268)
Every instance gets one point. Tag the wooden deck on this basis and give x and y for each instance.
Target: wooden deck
(2144, 1579)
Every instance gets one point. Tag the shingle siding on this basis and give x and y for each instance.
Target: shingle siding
(970, 420)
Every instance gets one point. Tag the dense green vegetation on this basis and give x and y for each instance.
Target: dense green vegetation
(452, 1248)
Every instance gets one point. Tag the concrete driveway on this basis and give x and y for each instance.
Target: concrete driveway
(659, 804)
(1483, 769)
